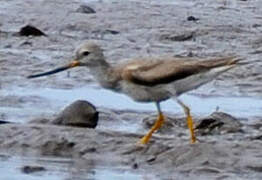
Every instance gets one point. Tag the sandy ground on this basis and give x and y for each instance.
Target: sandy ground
(127, 29)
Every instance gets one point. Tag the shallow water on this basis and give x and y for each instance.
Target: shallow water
(55, 99)
(10, 169)
(58, 169)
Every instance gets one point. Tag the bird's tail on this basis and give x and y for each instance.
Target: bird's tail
(228, 61)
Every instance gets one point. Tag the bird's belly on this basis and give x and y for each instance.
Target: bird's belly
(145, 94)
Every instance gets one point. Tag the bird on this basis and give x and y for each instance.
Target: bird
(151, 79)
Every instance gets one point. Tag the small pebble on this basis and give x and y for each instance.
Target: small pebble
(32, 169)
(192, 18)
(85, 9)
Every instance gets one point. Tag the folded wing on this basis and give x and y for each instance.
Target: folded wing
(164, 71)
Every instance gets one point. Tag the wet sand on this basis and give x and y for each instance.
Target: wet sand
(127, 29)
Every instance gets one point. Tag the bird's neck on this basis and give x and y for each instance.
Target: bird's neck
(105, 76)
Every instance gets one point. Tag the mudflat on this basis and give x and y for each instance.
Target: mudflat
(127, 29)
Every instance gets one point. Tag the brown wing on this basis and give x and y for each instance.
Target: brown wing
(166, 71)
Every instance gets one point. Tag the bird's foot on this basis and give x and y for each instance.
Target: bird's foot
(144, 140)
(156, 126)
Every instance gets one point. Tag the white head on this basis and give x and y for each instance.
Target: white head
(89, 54)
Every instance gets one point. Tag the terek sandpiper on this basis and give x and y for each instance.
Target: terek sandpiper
(150, 79)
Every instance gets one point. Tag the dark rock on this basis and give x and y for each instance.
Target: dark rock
(32, 169)
(91, 150)
(85, 9)
(135, 166)
(4, 122)
(256, 168)
(179, 37)
(29, 30)
(80, 113)
(256, 25)
(257, 137)
(218, 123)
(192, 18)
(109, 31)
(151, 159)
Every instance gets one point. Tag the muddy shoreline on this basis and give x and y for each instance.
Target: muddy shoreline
(127, 29)
(227, 156)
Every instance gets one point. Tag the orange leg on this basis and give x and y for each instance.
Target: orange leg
(156, 126)
(190, 122)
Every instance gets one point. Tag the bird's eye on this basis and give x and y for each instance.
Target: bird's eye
(85, 53)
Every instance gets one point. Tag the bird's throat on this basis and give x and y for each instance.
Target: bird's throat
(103, 74)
